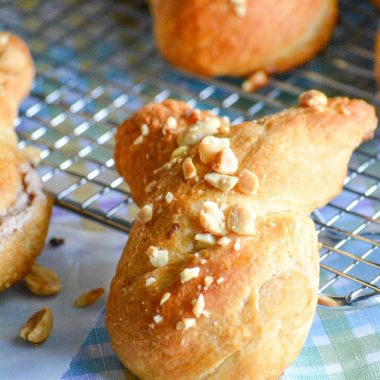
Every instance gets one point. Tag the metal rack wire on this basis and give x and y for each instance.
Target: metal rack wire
(97, 64)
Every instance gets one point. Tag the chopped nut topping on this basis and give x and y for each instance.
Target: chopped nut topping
(145, 214)
(210, 146)
(189, 273)
(149, 188)
(226, 162)
(171, 122)
(204, 240)
(312, 98)
(38, 327)
(248, 182)
(221, 181)
(138, 140)
(4, 39)
(343, 109)
(181, 150)
(197, 132)
(42, 281)
(158, 257)
(242, 220)
(212, 219)
(199, 305)
(224, 241)
(89, 298)
(186, 323)
(165, 298)
(237, 244)
(240, 7)
(220, 280)
(255, 81)
(209, 280)
(149, 281)
(144, 130)
(188, 168)
(158, 319)
(169, 197)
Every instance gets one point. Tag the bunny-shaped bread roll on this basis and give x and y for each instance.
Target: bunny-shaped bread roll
(219, 278)
(240, 37)
(24, 207)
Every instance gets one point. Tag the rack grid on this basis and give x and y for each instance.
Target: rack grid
(97, 63)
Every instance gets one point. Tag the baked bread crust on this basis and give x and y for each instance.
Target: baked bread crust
(261, 301)
(24, 208)
(212, 39)
(16, 67)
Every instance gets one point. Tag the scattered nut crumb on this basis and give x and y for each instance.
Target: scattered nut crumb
(221, 182)
(56, 242)
(212, 219)
(205, 240)
(224, 241)
(42, 281)
(248, 182)
(165, 298)
(4, 38)
(158, 319)
(38, 327)
(199, 305)
(197, 132)
(188, 168)
(189, 273)
(138, 140)
(169, 197)
(186, 323)
(145, 214)
(343, 109)
(226, 162)
(89, 298)
(209, 280)
(237, 244)
(240, 7)
(255, 81)
(144, 130)
(220, 280)
(180, 151)
(242, 220)
(210, 146)
(158, 257)
(149, 188)
(149, 281)
(312, 98)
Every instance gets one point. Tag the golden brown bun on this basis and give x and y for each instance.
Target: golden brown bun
(24, 208)
(24, 213)
(211, 38)
(377, 3)
(261, 309)
(16, 66)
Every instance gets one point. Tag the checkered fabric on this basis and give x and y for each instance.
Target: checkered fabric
(341, 345)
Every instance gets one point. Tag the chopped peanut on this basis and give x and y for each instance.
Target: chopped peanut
(221, 181)
(188, 168)
(242, 220)
(248, 182)
(210, 146)
(226, 162)
(212, 219)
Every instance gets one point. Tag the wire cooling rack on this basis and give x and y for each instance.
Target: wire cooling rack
(97, 64)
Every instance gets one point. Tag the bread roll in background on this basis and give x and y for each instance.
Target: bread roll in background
(24, 207)
(238, 38)
(16, 67)
(219, 280)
